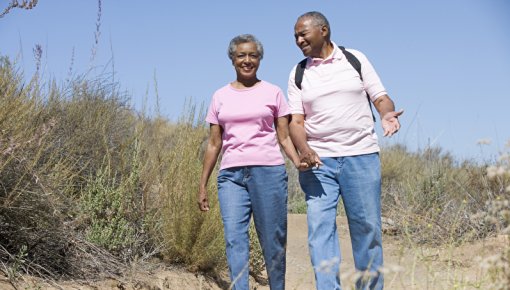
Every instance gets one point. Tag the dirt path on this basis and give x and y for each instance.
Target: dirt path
(299, 270)
(408, 268)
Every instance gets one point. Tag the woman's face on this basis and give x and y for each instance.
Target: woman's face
(246, 60)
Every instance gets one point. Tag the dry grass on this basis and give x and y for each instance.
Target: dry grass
(88, 186)
(434, 199)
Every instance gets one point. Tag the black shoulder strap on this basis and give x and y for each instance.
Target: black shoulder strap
(300, 70)
(356, 64)
(353, 60)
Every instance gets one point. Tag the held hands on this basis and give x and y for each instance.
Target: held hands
(390, 123)
(309, 159)
(203, 200)
(300, 165)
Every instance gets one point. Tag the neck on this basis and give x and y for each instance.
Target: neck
(327, 49)
(245, 83)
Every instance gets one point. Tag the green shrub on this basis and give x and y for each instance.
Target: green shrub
(107, 204)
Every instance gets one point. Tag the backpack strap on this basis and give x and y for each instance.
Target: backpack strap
(300, 70)
(353, 60)
(356, 64)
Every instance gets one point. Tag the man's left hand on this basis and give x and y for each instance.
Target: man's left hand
(390, 123)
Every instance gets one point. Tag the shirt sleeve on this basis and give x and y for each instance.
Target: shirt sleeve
(212, 112)
(294, 94)
(281, 104)
(371, 81)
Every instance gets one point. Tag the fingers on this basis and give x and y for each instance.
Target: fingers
(302, 166)
(312, 161)
(390, 123)
(396, 114)
(390, 115)
(203, 205)
(203, 202)
(391, 129)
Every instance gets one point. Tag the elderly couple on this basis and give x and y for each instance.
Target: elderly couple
(326, 129)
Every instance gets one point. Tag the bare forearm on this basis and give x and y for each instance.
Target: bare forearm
(210, 158)
(290, 150)
(298, 136)
(384, 105)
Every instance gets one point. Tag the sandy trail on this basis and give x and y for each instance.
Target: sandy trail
(409, 268)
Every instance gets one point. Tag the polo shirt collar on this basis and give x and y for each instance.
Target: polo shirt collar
(335, 54)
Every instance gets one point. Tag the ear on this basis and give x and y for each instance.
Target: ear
(324, 30)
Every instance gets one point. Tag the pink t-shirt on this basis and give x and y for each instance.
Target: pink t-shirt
(247, 117)
(338, 119)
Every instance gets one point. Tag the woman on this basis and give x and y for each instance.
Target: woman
(252, 177)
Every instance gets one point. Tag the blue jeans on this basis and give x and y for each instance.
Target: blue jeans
(357, 179)
(261, 191)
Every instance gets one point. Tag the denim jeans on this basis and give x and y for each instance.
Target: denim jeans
(357, 179)
(261, 191)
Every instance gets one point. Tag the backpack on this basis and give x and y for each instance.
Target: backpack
(353, 60)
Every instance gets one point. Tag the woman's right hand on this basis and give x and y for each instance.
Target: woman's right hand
(203, 200)
(301, 166)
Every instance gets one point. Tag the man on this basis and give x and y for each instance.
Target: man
(332, 127)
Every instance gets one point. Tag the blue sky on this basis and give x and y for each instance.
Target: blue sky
(446, 63)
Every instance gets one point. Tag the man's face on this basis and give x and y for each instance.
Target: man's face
(310, 37)
(246, 60)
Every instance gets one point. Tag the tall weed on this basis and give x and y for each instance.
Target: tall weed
(191, 237)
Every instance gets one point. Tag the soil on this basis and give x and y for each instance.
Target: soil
(406, 268)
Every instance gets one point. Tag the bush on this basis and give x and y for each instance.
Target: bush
(432, 198)
(60, 151)
(88, 185)
(498, 214)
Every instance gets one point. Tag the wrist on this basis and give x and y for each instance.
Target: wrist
(304, 148)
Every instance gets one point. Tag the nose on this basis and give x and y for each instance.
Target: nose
(299, 40)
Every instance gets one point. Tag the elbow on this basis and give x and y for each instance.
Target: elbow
(214, 145)
(293, 126)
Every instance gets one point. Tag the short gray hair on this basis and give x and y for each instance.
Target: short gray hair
(317, 19)
(244, 38)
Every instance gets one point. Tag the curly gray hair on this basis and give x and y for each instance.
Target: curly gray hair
(244, 38)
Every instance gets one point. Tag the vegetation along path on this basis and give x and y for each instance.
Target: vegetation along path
(406, 267)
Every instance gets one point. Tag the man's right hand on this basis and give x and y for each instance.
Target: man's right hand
(310, 157)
